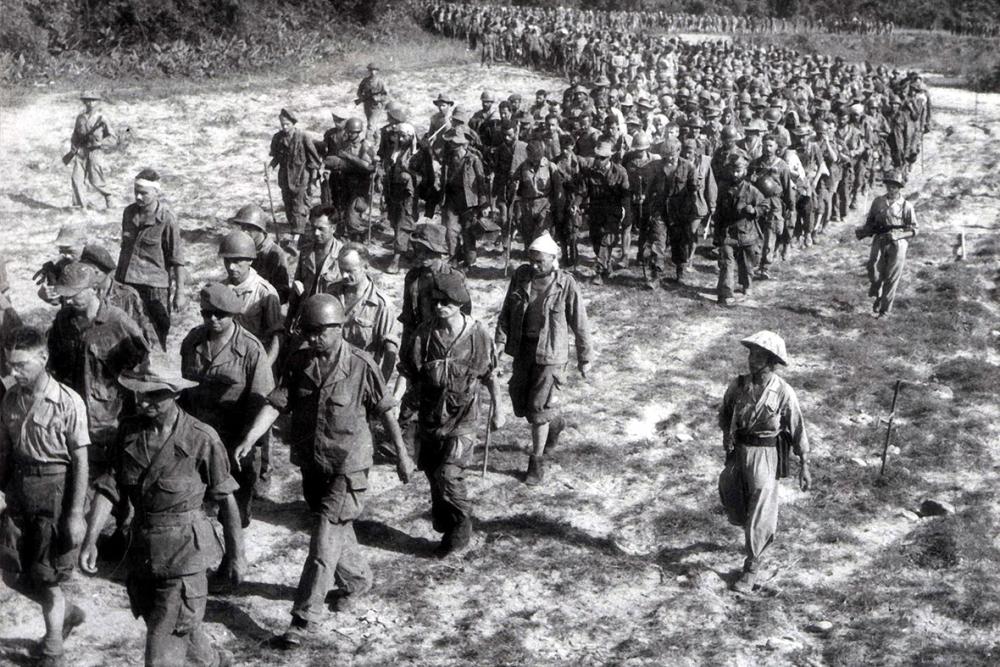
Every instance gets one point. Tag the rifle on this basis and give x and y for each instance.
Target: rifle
(68, 157)
(489, 437)
(270, 203)
(888, 430)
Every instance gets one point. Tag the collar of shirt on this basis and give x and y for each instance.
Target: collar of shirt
(248, 285)
(145, 217)
(233, 346)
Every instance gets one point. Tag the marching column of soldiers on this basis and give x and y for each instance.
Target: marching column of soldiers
(672, 152)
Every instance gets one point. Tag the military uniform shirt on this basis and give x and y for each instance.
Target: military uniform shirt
(329, 400)
(151, 245)
(45, 430)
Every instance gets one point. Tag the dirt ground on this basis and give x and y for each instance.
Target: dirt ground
(623, 557)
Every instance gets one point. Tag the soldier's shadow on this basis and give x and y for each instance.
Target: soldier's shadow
(238, 621)
(293, 515)
(380, 536)
(36, 204)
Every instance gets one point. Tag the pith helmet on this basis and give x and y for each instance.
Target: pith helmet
(769, 342)
(322, 310)
(250, 215)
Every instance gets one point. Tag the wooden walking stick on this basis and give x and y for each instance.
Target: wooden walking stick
(489, 437)
(888, 431)
(270, 203)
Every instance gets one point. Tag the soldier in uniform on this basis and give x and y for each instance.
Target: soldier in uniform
(569, 219)
(232, 378)
(772, 177)
(69, 243)
(260, 313)
(891, 223)
(317, 268)
(737, 232)
(166, 464)
(295, 156)
(466, 194)
(372, 95)
(401, 182)
(270, 262)
(671, 194)
(43, 478)
(114, 293)
(542, 307)
(641, 166)
(761, 421)
(370, 324)
(607, 191)
(90, 344)
(448, 358)
(537, 188)
(91, 135)
(330, 388)
(151, 259)
(352, 167)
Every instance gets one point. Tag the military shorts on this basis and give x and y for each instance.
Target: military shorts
(31, 543)
(534, 388)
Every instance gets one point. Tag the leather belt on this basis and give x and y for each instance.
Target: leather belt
(752, 440)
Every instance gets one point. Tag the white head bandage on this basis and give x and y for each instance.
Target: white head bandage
(546, 244)
(142, 182)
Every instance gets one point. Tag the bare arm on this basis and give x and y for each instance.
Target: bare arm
(74, 524)
(261, 423)
(229, 515)
(100, 510)
(404, 465)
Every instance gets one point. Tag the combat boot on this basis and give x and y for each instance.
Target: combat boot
(536, 471)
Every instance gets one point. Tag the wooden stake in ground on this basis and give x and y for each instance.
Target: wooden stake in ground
(888, 430)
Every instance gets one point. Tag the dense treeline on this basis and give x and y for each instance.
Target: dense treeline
(52, 38)
(60, 38)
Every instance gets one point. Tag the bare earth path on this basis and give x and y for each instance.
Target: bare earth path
(623, 556)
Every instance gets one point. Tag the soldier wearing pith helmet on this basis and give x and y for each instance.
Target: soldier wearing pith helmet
(761, 422)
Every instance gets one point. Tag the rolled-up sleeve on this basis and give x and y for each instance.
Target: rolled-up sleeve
(218, 480)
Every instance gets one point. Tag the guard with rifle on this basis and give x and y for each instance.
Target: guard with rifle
(891, 222)
(445, 362)
(91, 135)
(351, 163)
(761, 425)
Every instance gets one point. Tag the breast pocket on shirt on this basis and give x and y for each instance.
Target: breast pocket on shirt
(341, 416)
